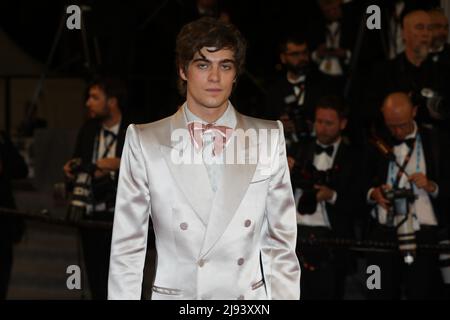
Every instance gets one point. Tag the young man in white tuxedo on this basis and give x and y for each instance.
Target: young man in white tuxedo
(225, 226)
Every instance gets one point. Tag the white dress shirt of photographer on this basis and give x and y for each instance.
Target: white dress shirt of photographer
(422, 208)
(319, 218)
(328, 62)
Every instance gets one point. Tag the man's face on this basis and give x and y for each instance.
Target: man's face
(206, 3)
(97, 103)
(439, 29)
(210, 77)
(417, 33)
(400, 123)
(332, 10)
(296, 57)
(328, 125)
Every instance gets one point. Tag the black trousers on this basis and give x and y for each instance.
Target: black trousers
(6, 261)
(420, 280)
(96, 245)
(323, 269)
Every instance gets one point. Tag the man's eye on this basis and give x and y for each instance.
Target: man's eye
(202, 66)
(226, 67)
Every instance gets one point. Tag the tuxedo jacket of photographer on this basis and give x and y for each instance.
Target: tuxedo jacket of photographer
(399, 74)
(238, 242)
(436, 158)
(345, 179)
(89, 133)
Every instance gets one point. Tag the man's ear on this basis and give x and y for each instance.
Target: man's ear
(344, 122)
(182, 73)
(414, 111)
(112, 102)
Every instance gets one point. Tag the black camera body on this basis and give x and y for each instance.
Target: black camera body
(398, 194)
(306, 178)
(89, 191)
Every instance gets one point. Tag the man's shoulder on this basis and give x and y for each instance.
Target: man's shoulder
(258, 123)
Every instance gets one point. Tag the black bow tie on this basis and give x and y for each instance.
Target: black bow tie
(328, 150)
(409, 142)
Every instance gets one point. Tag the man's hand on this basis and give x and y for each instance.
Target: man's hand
(322, 51)
(324, 193)
(339, 53)
(291, 162)
(378, 197)
(421, 181)
(106, 165)
(67, 170)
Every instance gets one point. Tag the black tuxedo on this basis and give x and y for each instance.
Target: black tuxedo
(401, 75)
(345, 180)
(96, 243)
(421, 280)
(442, 58)
(84, 147)
(12, 166)
(436, 157)
(281, 95)
(327, 278)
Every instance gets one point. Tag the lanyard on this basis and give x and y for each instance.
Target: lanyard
(107, 147)
(395, 179)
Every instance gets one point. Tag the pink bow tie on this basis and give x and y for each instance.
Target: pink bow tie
(221, 135)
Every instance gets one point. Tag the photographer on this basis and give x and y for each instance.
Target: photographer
(411, 163)
(414, 72)
(12, 166)
(294, 92)
(325, 181)
(94, 171)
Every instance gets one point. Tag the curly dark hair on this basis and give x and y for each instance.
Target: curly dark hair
(208, 32)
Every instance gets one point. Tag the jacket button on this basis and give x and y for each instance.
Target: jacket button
(183, 226)
(247, 223)
(201, 263)
(240, 261)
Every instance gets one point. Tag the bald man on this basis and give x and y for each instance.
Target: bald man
(412, 72)
(417, 151)
(440, 49)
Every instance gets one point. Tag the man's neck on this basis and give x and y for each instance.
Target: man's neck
(338, 138)
(112, 120)
(414, 58)
(293, 78)
(210, 115)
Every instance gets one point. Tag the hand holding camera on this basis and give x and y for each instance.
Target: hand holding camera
(105, 166)
(421, 181)
(377, 195)
(324, 193)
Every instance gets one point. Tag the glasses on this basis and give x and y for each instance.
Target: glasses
(296, 54)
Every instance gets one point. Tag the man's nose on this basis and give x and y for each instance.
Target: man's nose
(214, 74)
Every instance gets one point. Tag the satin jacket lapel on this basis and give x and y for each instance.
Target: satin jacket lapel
(191, 178)
(235, 182)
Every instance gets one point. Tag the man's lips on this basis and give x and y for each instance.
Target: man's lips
(214, 90)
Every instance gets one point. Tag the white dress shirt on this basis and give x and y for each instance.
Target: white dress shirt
(213, 163)
(104, 141)
(319, 218)
(422, 208)
(332, 65)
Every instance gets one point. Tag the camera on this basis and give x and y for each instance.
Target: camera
(89, 193)
(401, 218)
(399, 193)
(432, 105)
(306, 178)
